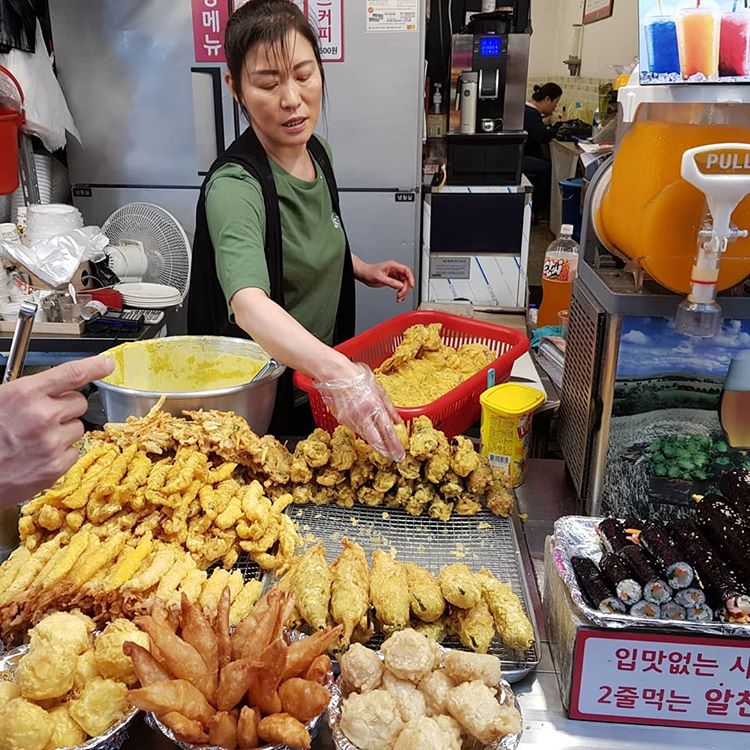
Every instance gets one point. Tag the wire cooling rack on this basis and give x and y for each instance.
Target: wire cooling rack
(478, 541)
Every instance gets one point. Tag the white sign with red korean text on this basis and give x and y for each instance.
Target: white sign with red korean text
(209, 22)
(661, 679)
(327, 16)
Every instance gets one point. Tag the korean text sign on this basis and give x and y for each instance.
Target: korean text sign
(661, 679)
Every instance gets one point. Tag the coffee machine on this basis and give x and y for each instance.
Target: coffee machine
(489, 70)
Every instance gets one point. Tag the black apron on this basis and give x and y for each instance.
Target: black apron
(207, 312)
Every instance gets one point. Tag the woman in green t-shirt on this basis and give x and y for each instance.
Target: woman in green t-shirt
(276, 76)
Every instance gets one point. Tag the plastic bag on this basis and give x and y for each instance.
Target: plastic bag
(362, 405)
(56, 259)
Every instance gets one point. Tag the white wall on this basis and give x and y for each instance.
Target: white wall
(612, 41)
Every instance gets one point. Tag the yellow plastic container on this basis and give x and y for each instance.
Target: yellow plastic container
(506, 427)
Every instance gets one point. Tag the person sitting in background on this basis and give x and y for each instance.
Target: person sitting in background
(536, 164)
(39, 424)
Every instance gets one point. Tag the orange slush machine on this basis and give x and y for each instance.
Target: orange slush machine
(665, 234)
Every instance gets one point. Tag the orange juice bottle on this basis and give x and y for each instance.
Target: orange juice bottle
(560, 269)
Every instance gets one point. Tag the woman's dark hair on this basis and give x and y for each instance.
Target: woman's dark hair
(548, 91)
(266, 22)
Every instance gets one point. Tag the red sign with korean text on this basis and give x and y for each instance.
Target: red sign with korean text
(209, 22)
(661, 679)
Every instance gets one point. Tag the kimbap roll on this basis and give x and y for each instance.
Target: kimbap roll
(701, 613)
(690, 597)
(655, 590)
(594, 586)
(619, 575)
(656, 541)
(613, 534)
(646, 609)
(724, 526)
(673, 611)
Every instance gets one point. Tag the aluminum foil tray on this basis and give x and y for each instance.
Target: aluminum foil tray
(478, 541)
(576, 535)
(342, 742)
(112, 739)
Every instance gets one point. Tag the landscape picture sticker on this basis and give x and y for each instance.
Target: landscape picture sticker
(679, 414)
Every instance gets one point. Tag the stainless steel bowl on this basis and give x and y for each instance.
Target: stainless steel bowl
(253, 400)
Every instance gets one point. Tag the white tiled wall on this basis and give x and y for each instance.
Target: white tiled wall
(576, 90)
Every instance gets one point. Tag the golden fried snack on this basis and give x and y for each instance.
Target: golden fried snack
(173, 695)
(148, 669)
(8, 691)
(514, 627)
(343, 454)
(315, 449)
(464, 667)
(409, 655)
(303, 699)
(247, 728)
(427, 601)
(244, 602)
(361, 669)
(301, 654)
(101, 704)
(499, 495)
(437, 465)
(452, 486)
(65, 730)
(350, 590)
(263, 690)
(111, 661)
(319, 669)
(440, 509)
(188, 730)
(389, 591)
(425, 440)
(411, 703)
(234, 680)
(372, 720)
(221, 627)
(435, 689)
(479, 480)
(44, 672)
(475, 626)
(464, 459)
(478, 711)
(180, 658)
(468, 504)
(312, 587)
(459, 586)
(422, 496)
(436, 631)
(222, 730)
(283, 729)
(130, 562)
(197, 631)
(25, 726)
(64, 631)
(86, 670)
(161, 562)
(29, 571)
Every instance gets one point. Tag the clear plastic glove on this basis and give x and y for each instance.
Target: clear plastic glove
(361, 404)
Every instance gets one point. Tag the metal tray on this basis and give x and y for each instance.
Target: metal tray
(478, 541)
(576, 535)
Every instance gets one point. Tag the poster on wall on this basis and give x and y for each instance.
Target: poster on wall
(679, 415)
(392, 15)
(595, 10)
(694, 41)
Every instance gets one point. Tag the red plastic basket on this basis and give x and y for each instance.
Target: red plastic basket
(458, 409)
(10, 123)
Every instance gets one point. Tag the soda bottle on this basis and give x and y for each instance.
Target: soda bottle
(560, 268)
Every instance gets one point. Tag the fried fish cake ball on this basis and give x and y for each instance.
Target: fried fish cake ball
(67, 631)
(459, 586)
(411, 703)
(409, 655)
(371, 721)
(65, 731)
(435, 689)
(86, 670)
(461, 666)
(8, 691)
(110, 659)
(102, 704)
(44, 672)
(421, 732)
(361, 669)
(25, 726)
(474, 706)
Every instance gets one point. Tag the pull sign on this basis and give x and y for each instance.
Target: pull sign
(727, 161)
(405, 197)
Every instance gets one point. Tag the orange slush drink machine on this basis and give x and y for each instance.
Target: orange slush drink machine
(660, 297)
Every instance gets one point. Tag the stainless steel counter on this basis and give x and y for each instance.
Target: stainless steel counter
(546, 495)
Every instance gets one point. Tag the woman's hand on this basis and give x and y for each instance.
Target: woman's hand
(388, 273)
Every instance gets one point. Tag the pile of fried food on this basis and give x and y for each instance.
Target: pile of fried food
(436, 476)
(423, 368)
(70, 685)
(392, 596)
(415, 698)
(242, 689)
(108, 577)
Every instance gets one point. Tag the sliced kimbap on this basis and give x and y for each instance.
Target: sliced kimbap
(595, 587)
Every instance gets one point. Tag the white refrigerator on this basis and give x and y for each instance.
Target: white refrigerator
(152, 118)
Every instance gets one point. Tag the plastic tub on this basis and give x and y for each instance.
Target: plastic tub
(458, 409)
(506, 427)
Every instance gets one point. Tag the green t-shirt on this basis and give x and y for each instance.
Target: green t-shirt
(312, 239)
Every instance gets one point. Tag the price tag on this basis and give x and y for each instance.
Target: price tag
(661, 679)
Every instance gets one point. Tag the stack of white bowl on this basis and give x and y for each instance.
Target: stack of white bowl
(48, 220)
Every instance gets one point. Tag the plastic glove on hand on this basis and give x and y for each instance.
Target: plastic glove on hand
(361, 404)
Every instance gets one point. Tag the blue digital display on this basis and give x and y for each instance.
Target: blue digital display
(490, 46)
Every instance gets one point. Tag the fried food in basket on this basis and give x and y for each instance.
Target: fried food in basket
(456, 703)
(422, 368)
(232, 691)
